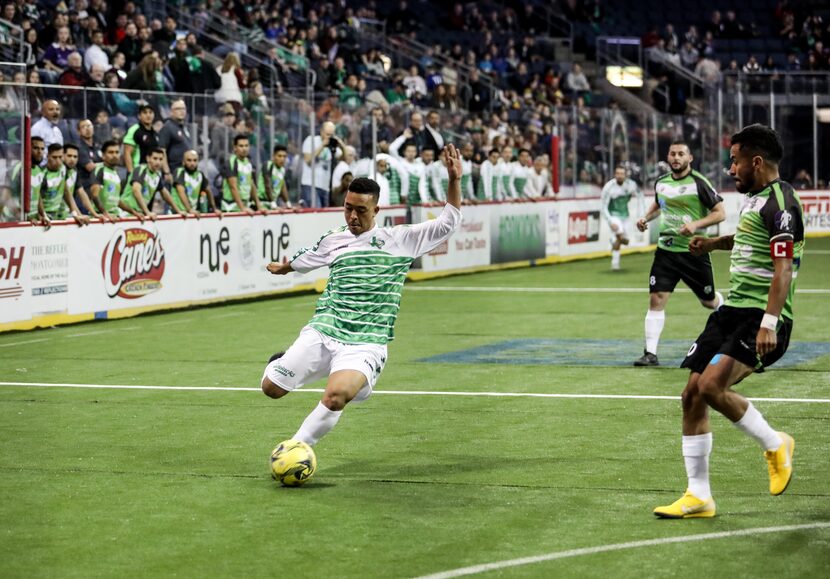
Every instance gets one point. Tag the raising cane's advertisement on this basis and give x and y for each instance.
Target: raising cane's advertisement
(133, 263)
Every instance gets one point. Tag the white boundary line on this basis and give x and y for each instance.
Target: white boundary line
(559, 290)
(475, 569)
(396, 392)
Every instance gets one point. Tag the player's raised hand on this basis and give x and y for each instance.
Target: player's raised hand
(452, 160)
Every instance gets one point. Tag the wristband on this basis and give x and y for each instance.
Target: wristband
(769, 322)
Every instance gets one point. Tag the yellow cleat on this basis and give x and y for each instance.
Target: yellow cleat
(687, 507)
(780, 464)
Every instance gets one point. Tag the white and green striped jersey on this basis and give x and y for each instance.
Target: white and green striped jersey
(504, 171)
(440, 180)
(771, 215)
(414, 187)
(519, 176)
(615, 198)
(366, 167)
(489, 187)
(362, 297)
(467, 191)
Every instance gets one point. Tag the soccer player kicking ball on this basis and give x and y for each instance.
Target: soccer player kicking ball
(752, 330)
(347, 336)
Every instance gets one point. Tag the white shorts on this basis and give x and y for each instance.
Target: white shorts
(623, 226)
(313, 356)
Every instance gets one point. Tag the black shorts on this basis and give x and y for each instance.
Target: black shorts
(731, 332)
(669, 267)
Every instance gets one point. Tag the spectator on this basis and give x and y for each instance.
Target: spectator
(130, 46)
(47, 129)
(11, 97)
(33, 54)
(203, 76)
(117, 65)
(34, 92)
(174, 137)
(373, 64)
(221, 136)
(689, 55)
(146, 76)
(396, 95)
(576, 82)
(342, 176)
(383, 135)
(232, 82)
(708, 69)
(321, 151)
(415, 84)
(350, 98)
(95, 53)
(103, 128)
(802, 180)
(118, 104)
(432, 138)
(751, 65)
(56, 56)
(179, 68)
(140, 139)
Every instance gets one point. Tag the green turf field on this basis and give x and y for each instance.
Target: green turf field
(103, 482)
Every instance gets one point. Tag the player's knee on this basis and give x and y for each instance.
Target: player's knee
(691, 396)
(710, 388)
(335, 400)
(272, 390)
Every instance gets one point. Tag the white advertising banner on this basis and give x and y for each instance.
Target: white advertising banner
(582, 229)
(15, 285)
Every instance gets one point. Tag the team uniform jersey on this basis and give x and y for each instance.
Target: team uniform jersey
(488, 183)
(614, 201)
(110, 183)
(414, 186)
(682, 201)
(193, 183)
(150, 183)
(142, 140)
(365, 167)
(367, 272)
(395, 175)
(538, 184)
(438, 181)
(504, 171)
(51, 190)
(355, 316)
(34, 182)
(519, 176)
(273, 175)
(771, 225)
(244, 172)
(467, 191)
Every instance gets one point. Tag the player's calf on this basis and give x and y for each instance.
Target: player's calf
(272, 390)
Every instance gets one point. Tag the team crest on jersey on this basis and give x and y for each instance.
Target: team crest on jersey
(784, 220)
(379, 243)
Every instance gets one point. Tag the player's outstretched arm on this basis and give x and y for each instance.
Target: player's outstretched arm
(279, 268)
(700, 245)
(452, 160)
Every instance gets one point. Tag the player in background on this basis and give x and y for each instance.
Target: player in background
(414, 185)
(144, 182)
(74, 188)
(687, 204)
(347, 336)
(539, 183)
(504, 170)
(193, 194)
(52, 200)
(489, 185)
(616, 195)
(440, 175)
(272, 185)
(239, 189)
(363, 168)
(106, 182)
(752, 330)
(520, 171)
(38, 149)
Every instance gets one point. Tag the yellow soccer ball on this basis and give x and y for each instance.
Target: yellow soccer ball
(293, 463)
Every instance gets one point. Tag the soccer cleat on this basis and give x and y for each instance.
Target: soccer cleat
(687, 507)
(780, 465)
(647, 359)
(276, 356)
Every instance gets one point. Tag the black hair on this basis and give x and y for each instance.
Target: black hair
(158, 150)
(760, 140)
(68, 146)
(680, 143)
(36, 138)
(240, 137)
(143, 108)
(524, 151)
(108, 144)
(54, 147)
(278, 148)
(365, 186)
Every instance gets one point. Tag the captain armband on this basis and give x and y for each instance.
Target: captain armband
(781, 248)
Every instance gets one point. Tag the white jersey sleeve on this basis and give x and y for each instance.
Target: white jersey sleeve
(417, 240)
(315, 256)
(605, 198)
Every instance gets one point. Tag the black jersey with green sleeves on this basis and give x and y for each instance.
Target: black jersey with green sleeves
(770, 220)
(150, 182)
(682, 201)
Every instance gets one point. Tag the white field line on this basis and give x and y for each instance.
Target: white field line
(24, 342)
(64, 336)
(476, 569)
(561, 290)
(398, 392)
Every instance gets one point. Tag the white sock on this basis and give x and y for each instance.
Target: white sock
(719, 297)
(615, 258)
(754, 425)
(654, 327)
(317, 424)
(696, 451)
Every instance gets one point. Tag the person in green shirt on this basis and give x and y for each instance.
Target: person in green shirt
(145, 181)
(38, 148)
(106, 182)
(753, 328)
(239, 190)
(687, 204)
(192, 190)
(271, 184)
(73, 186)
(52, 198)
